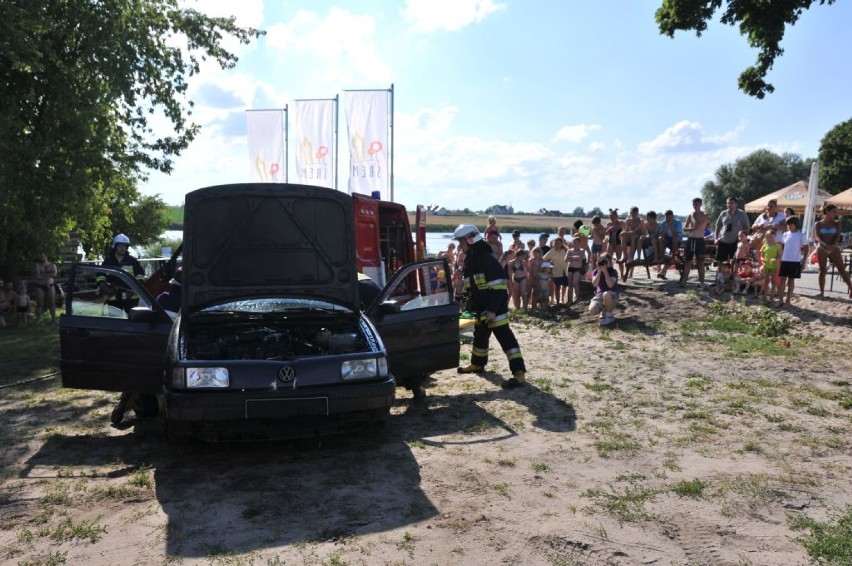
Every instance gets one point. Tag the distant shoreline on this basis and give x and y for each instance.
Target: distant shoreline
(506, 222)
(524, 222)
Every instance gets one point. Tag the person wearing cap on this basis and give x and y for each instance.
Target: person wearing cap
(486, 287)
(543, 282)
(121, 297)
(119, 258)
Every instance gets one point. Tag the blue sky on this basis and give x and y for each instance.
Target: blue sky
(535, 104)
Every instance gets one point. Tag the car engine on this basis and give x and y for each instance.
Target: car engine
(265, 341)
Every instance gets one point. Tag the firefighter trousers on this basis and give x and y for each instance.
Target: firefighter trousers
(500, 328)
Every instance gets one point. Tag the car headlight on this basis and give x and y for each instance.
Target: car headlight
(207, 377)
(364, 369)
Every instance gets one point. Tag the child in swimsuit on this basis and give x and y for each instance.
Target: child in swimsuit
(743, 249)
(574, 259)
(543, 284)
(533, 269)
(613, 237)
(631, 233)
(22, 301)
(598, 235)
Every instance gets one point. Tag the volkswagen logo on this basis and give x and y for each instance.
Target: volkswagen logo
(286, 374)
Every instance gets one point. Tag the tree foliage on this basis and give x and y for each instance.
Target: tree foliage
(761, 21)
(753, 176)
(82, 84)
(835, 159)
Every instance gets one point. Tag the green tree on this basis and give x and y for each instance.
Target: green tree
(761, 21)
(835, 159)
(752, 177)
(81, 83)
(579, 212)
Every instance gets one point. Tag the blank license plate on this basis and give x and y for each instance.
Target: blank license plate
(285, 408)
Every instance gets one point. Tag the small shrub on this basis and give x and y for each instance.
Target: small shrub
(691, 488)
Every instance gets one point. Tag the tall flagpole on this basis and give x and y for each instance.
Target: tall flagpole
(286, 144)
(336, 139)
(391, 142)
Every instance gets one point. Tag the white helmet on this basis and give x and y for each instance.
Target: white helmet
(121, 239)
(468, 232)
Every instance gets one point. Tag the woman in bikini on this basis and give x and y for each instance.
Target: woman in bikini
(520, 276)
(827, 237)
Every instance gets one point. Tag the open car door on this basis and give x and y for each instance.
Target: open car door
(114, 341)
(418, 319)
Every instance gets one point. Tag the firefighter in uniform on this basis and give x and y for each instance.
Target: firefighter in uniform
(111, 287)
(119, 296)
(486, 287)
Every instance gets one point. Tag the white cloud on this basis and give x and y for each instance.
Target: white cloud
(688, 136)
(247, 13)
(576, 133)
(340, 46)
(448, 15)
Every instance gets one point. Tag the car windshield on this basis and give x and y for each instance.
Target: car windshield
(275, 304)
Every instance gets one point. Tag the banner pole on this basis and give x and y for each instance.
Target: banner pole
(286, 144)
(336, 139)
(392, 149)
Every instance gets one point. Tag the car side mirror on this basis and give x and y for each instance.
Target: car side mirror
(141, 314)
(389, 307)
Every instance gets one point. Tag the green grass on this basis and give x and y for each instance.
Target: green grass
(690, 488)
(628, 506)
(744, 331)
(29, 352)
(829, 542)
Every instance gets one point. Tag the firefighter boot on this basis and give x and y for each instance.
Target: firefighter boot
(118, 413)
(518, 379)
(471, 368)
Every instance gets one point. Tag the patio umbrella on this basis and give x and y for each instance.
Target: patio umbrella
(843, 201)
(794, 196)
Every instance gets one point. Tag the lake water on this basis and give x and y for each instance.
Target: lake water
(435, 241)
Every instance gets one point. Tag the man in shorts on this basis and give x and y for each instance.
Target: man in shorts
(694, 227)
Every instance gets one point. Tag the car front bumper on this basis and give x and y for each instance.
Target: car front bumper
(308, 403)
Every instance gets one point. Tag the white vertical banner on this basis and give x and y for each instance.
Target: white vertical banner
(314, 127)
(266, 145)
(367, 126)
(808, 216)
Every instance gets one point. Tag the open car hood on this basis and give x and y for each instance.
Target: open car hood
(268, 239)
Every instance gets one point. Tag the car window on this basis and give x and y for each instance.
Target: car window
(426, 286)
(112, 300)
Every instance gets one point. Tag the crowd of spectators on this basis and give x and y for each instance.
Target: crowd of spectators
(764, 257)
